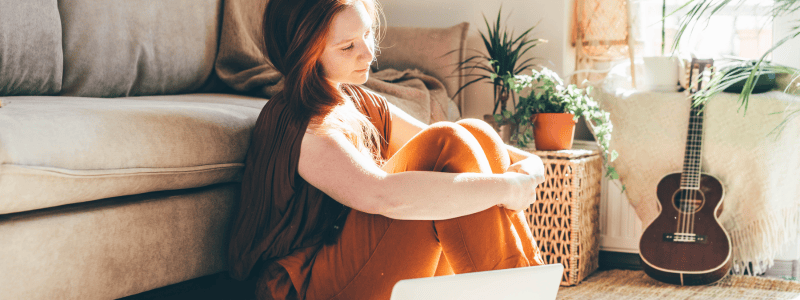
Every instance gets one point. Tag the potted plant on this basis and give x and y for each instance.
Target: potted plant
(549, 113)
(498, 66)
(661, 72)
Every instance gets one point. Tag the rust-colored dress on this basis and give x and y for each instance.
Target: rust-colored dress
(281, 219)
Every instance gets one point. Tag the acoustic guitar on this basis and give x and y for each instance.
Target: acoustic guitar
(686, 244)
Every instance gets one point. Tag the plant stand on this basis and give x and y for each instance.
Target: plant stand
(565, 217)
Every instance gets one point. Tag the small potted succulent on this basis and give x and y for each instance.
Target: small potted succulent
(549, 113)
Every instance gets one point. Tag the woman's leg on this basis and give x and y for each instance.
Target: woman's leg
(374, 252)
(497, 155)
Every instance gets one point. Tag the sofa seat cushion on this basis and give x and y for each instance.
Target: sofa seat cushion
(63, 150)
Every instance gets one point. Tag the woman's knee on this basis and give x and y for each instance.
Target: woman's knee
(477, 125)
(490, 142)
(449, 129)
(455, 132)
(457, 144)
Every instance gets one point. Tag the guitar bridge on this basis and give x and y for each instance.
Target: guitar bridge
(680, 237)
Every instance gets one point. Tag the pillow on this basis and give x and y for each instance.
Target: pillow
(116, 48)
(426, 49)
(241, 62)
(31, 59)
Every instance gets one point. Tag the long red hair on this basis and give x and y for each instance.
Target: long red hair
(295, 35)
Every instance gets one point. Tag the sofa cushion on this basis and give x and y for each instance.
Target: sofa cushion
(116, 48)
(63, 150)
(434, 51)
(30, 48)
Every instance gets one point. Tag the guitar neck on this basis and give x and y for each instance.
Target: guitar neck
(690, 178)
(699, 73)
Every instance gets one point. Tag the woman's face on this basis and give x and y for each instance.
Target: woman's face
(350, 46)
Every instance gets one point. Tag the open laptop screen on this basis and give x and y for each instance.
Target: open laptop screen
(537, 282)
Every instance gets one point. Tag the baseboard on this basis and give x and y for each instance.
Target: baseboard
(211, 287)
(784, 268)
(619, 260)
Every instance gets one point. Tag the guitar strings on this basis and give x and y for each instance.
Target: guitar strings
(705, 76)
(687, 217)
(694, 166)
(692, 163)
(687, 193)
(699, 167)
(697, 147)
(687, 173)
(691, 168)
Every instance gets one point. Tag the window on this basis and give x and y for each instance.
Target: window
(741, 29)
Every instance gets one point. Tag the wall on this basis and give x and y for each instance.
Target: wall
(554, 18)
(786, 54)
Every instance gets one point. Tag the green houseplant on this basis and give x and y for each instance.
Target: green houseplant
(549, 96)
(502, 61)
(703, 10)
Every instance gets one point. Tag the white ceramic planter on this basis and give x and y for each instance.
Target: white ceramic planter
(661, 73)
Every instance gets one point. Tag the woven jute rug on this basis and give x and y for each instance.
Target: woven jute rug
(627, 284)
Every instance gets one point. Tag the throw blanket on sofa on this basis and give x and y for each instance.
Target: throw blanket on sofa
(419, 95)
(759, 171)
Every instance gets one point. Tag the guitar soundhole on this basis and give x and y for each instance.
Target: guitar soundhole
(688, 201)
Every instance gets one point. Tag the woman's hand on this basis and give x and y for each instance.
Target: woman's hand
(533, 170)
(530, 166)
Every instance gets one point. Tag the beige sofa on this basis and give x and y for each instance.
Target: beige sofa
(122, 139)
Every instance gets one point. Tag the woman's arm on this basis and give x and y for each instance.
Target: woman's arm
(332, 164)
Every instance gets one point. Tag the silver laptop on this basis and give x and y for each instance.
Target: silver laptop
(537, 282)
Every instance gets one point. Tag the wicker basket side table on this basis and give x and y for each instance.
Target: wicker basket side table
(565, 217)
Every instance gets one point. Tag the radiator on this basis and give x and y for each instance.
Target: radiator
(620, 228)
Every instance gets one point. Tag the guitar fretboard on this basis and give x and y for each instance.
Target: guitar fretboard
(690, 179)
(700, 73)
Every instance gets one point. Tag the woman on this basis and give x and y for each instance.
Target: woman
(343, 194)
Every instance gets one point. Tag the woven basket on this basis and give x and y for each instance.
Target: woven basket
(565, 217)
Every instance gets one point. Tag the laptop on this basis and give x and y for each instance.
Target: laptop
(537, 282)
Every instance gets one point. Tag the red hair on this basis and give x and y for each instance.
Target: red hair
(295, 36)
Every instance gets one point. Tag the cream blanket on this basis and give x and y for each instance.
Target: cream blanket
(760, 172)
(422, 96)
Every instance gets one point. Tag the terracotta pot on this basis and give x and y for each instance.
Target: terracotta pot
(553, 131)
(504, 130)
